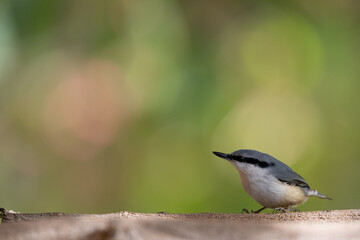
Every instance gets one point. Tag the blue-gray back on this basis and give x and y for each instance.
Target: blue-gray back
(279, 169)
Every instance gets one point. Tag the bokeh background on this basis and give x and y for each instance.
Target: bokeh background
(116, 105)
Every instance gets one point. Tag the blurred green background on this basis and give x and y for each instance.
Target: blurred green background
(116, 105)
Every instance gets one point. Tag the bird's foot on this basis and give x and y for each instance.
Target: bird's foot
(294, 210)
(280, 209)
(245, 211)
(162, 212)
(285, 210)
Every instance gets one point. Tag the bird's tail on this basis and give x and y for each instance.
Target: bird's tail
(313, 192)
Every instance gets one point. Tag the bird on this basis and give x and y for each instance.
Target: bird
(269, 181)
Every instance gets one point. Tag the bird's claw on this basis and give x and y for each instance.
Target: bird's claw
(285, 210)
(280, 209)
(246, 211)
(294, 210)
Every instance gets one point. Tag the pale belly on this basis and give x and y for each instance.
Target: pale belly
(270, 192)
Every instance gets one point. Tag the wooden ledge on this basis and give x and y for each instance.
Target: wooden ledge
(334, 224)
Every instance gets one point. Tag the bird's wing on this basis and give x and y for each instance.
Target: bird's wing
(285, 174)
(296, 182)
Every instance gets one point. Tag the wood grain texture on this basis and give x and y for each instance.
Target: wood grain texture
(336, 224)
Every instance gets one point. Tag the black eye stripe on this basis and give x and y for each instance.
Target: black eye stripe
(253, 161)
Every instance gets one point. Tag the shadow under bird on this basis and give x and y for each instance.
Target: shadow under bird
(270, 182)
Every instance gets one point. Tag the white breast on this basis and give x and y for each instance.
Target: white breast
(266, 189)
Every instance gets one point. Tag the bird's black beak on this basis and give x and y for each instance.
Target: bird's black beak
(221, 155)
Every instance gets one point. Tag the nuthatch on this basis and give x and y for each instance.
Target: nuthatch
(270, 182)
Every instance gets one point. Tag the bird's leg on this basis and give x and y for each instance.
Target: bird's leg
(285, 210)
(257, 211)
(245, 211)
(280, 209)
(294, 210)
(290, 209)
